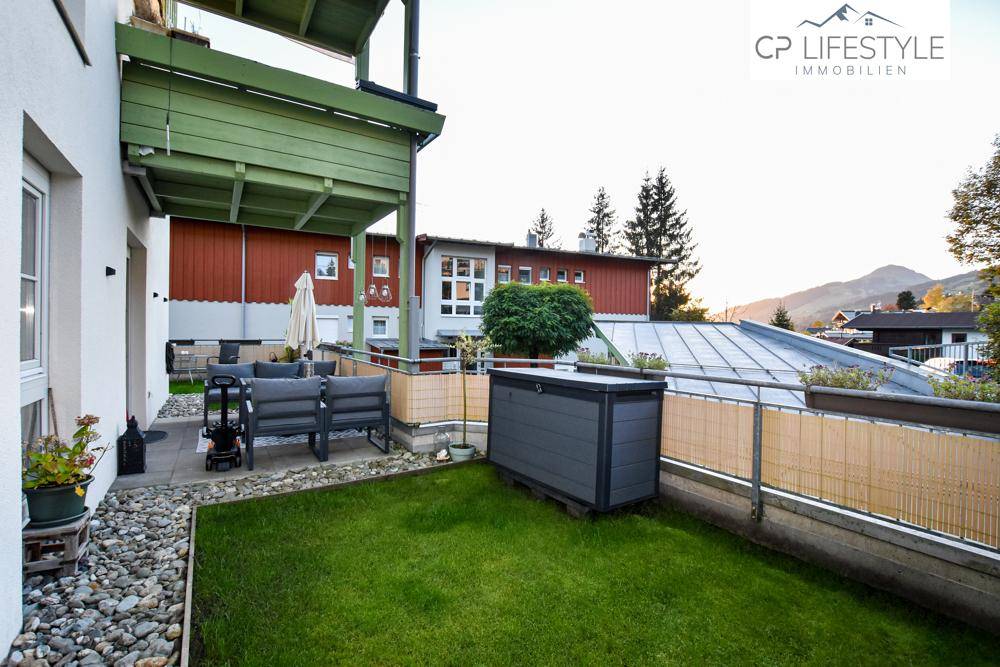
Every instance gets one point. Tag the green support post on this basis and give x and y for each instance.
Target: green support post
(361, 64)
(358, 255)
(405, 253)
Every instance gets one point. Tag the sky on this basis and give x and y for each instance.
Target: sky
(787, 185)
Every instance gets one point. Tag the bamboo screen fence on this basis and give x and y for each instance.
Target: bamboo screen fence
(940, 480)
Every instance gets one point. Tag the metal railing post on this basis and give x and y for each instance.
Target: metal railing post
(756, 504)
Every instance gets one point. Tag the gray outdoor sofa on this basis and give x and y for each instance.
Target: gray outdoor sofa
(254, 370)
(289, 406)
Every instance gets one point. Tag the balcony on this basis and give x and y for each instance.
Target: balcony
(216, 137)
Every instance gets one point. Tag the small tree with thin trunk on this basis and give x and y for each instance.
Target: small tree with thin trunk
(781, 318)
(539, 319)
(544, 229)
(468, 349)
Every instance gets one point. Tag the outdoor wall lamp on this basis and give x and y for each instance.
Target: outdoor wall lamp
(361, 296)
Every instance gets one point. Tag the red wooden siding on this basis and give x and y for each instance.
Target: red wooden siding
(616, 285)
(424, 354)
(205, 261)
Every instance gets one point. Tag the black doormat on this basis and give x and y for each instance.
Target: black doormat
(154, 436)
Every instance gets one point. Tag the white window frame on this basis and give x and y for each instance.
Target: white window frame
(579, 276)
(562, 275)
(500, 268)
(327, 253)
(454, 302)
(383, 320)
(380, 275)
(34, 373)
(544, 274)
(524, 268)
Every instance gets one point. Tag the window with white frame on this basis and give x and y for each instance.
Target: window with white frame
(524, 275)
(380, 327)
(578, 276)
(503, 274)
(33, 299)
(561, 275)
(380, 266)
(545, 274)
(326, 266)
(463, 285)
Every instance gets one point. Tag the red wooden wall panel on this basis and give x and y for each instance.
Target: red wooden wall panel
(205, 266)
(616, 285)
(205, 261)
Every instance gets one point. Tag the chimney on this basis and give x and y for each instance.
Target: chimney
(587, 242)
(876, 307)
(532, 240)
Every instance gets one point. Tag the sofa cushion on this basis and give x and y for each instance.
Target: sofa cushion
(341, 393)
(271, 409)
(236, 370)
(355, 416)
(320, 368)
(285, 390)
(274, 369)
(285, 424)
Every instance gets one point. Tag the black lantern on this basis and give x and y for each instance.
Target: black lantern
(132, 450)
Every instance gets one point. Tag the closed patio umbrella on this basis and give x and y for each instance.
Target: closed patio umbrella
(303, 331)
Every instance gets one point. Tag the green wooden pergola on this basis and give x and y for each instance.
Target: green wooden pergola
(212, 136)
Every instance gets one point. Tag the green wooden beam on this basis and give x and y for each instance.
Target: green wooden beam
(358, 255)
(361, 45)
(362, 62)
(238, 8)
(234, 204)
(380, 212)
(208, 63)
(145, 180)
(317, 200)
(199, 165)
(307, 13)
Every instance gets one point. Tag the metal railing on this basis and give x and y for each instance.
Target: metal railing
(955, 358)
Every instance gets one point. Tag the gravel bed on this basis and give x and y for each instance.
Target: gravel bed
(184, 405)
(126, 605)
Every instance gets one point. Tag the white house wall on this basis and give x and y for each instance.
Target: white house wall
(433, 320)
(66, 115)
(211, 320)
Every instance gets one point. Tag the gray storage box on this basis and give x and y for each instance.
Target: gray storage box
(592, 438)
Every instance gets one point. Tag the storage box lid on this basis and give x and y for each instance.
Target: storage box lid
(583, 381)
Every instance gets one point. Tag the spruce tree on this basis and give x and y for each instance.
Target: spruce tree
(639, 232)
(780, 318)
(673, 234)
(544, 229)
(601, 224)
(905, 300)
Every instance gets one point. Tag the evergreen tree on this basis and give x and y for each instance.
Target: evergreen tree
(544, 229)
(781, 318)
(905, 300)
(673, 234)
(638, 232)
(601, 224)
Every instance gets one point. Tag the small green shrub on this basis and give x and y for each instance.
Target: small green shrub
(846, 377)
(648, 360)
(967, 389)
(586, 356)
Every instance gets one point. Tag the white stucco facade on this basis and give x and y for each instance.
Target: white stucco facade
(65, 115)
(948, 336)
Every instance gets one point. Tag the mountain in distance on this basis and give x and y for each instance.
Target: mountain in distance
(845, 13)
(881, 285)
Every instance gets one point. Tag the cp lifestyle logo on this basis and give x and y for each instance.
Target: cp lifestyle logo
(894, 39)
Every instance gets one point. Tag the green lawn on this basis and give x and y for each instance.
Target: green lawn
(453, 567)
(186, 387)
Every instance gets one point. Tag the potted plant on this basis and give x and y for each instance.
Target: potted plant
(468, 351)
(56, 475)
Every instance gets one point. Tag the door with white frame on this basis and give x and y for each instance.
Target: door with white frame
(329, 328)
(34, 271)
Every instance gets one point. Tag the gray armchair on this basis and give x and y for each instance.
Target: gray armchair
(286, 407)
(359, 402)
(214, 395)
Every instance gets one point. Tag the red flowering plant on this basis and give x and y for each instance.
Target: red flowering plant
(52, 461)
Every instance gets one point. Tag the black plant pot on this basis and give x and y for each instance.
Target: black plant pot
(56, 505)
